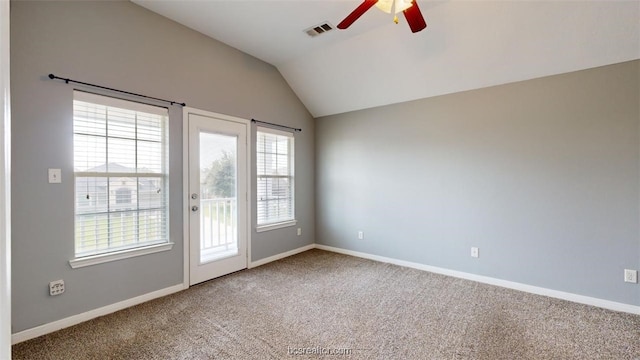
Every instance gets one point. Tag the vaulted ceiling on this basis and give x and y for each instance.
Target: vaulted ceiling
(467, 45)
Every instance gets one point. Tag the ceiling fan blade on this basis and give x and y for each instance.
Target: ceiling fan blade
(414, 18)
(351, 18)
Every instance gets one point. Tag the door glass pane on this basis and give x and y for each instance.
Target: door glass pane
(218, 200)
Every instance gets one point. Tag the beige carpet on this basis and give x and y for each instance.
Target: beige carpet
(326, 302)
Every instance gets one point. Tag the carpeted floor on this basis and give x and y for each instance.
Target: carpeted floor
(321, 302)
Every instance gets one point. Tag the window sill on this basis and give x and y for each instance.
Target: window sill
(118, 255)
(280, 225)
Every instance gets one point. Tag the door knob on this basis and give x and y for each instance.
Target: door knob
(194, 196)
(194, 208)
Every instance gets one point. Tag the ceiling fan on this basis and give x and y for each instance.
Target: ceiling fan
(408, 7)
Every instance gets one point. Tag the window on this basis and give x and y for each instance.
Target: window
(275, 179)
(121, 175)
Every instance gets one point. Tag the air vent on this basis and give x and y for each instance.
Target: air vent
(319, 29)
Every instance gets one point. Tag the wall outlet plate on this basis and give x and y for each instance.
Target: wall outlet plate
(299, 231)
(631, 276)
(475, 252)
(56, 287)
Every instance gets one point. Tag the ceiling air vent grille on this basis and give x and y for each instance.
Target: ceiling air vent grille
(319, 29)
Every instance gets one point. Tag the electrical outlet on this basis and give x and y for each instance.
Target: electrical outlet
(56, 287)
(360, 235)
(631, 276)
(475, 252)
(299, 231)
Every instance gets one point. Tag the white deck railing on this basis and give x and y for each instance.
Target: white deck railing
(218, 230)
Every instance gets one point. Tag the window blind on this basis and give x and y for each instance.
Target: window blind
(121, 174)
(275, 176)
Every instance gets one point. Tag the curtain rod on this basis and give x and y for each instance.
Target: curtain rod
(278, 125)
(52, 77)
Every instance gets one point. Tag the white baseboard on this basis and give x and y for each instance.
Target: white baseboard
(86, 316)
(92, 314)
(606, 304)
(281, 256)
(76, 319)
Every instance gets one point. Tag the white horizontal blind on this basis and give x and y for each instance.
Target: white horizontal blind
(275, 175)
(121, 174)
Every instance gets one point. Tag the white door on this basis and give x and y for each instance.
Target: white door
(218, 211)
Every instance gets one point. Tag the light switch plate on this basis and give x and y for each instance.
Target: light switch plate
(55, 176)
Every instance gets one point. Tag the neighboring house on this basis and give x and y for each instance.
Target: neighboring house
(122, 193)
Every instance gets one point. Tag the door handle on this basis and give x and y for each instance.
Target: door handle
(194, 208)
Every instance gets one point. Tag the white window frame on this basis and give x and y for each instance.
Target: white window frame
(118, 254)
(278, 224)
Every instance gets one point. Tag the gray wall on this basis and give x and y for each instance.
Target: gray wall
(541, 175)
(122, 45)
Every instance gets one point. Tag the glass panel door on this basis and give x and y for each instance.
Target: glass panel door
(218, 196)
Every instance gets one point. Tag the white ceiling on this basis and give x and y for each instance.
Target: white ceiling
(467, 45)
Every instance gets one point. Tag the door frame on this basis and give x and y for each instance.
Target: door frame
(186, 243)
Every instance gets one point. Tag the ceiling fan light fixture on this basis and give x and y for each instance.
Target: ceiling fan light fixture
(385, 5)
(402, 5)
(388, 5)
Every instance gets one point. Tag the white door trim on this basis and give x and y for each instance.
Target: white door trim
(185, 182)
(5, 185)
